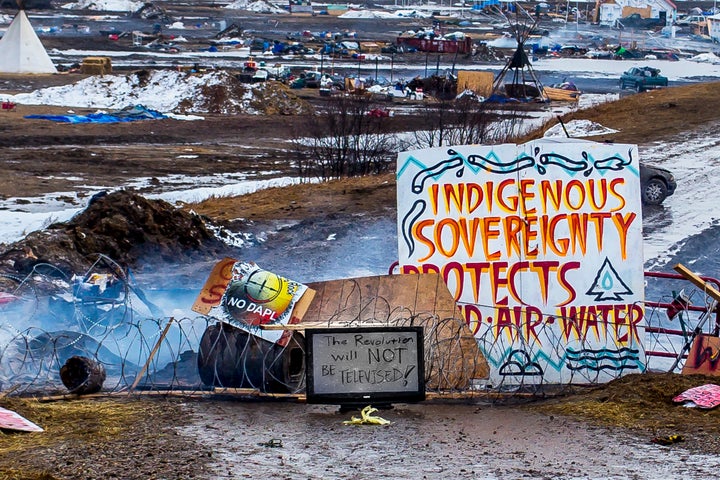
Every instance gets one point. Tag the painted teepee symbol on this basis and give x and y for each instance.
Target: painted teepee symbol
(608, 285)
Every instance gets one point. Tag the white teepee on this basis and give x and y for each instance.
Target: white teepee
(21, 50)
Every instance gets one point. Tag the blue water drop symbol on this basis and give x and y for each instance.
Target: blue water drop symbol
(607, 281)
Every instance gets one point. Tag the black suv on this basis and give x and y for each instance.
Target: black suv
(655, 184)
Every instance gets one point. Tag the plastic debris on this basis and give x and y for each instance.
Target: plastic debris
(705, 396)
(669, 440)
(10, 420)
(272, 443)
(367, 418)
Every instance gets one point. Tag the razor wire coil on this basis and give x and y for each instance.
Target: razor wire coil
(32, 352)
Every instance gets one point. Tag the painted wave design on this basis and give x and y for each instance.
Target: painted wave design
(592, 359)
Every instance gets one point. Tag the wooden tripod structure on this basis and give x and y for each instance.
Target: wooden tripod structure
(523, 82)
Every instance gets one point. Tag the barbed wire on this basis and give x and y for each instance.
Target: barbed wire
(46, 319)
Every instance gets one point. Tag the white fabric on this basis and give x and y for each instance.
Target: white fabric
(21, 50)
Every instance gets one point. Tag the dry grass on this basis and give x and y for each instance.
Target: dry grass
(643, 403)
(93, 438)
(13, 474)
(371, 194)
(100, 419)
(650, 116)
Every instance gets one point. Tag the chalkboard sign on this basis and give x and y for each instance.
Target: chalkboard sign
(365, 365)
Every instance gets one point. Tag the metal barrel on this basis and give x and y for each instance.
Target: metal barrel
(230, 357)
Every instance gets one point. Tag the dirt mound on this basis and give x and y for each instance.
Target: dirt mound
(218, 92)
(273, 98)
(122, 225)
(228, 96)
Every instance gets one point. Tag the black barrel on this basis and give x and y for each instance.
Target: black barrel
(82, 375)
(230, 357)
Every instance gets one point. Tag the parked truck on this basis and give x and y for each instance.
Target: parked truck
(643, 78)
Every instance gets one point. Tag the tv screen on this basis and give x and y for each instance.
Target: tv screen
(365, 365)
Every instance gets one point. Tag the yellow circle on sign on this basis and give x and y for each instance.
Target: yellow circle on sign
(265, 287)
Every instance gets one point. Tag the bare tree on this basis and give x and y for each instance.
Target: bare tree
(467, 120)
(438, 121)
(346, 139)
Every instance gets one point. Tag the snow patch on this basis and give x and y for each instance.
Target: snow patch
(366, 14)
(259, 6)
(577, 128)
(162, 90)
(706, 58)
(104, 5)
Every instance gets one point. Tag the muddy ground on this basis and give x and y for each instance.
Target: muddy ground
(608, 432)
(603, 433)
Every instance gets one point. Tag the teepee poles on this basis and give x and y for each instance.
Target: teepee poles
(524, 82)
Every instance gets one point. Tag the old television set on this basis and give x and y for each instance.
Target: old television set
(365, 366)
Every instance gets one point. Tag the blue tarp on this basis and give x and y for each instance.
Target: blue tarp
(479, 5)
(128, 114)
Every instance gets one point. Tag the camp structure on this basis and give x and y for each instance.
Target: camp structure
(517, 79)
(21, 50)
(480, 83)
(564, 92)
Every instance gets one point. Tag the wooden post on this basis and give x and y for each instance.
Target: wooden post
(703, 285)
(152, 354)
(697, 281)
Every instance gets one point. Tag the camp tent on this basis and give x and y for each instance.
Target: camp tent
(523, 82)
(21, 50)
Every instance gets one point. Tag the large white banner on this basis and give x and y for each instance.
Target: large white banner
(541, 245)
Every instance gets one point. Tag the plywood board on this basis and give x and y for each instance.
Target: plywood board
(452, 356)
(478, 82)
(374, 298)
(704, 356)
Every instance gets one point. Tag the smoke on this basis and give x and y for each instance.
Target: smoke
(48, 318)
